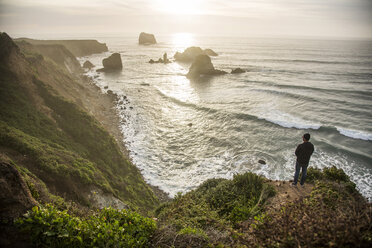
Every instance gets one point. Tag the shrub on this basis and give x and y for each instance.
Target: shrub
(328, 173)
(49, 227)
(217, 202)
(329, 217)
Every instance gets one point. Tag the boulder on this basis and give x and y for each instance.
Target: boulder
(202, 65)
(15, 197)
(112, 63)
(146, 39)
(191, 53)
(88, 65)
(210, 52)
(237, 70)
(261, 161)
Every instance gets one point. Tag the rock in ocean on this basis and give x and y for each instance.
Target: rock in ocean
(146, 39)
(112, 63)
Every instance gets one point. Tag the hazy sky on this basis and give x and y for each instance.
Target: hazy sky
(327, 18)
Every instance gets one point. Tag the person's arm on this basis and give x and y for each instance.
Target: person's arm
(312, 149)
(297, 150)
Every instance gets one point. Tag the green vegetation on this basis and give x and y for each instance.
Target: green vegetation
(66, 148)
(334, 215)
(233, 213)
(49, 227)
(216, 206)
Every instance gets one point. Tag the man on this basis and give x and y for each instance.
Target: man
(303, 153)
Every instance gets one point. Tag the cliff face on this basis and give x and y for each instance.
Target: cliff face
(78, 48)
(57, 53)
(53, 141)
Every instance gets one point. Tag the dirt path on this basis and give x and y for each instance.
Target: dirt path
(286, 193)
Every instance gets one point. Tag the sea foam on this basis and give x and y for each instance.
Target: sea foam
(355, 134)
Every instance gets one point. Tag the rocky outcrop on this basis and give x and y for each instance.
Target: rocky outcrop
(191, 53)
(202, 65)
(146, 39)
(78, 48)
(15, 197)
(100, 199)
(112, 63)
(88, 65)
(237, 70)
(210, 52)
(163, 60)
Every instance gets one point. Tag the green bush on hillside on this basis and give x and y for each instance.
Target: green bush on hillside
(49, 227)
(218, 201)
(332, 174)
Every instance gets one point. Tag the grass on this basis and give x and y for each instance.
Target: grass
(67, 148)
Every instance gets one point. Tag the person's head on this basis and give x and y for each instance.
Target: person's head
(306, 137)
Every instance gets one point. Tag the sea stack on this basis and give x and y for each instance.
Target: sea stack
(191, 53)
(146, 39)
(202, 65)
(112, 63)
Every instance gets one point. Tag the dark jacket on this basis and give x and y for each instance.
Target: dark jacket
(303, 153)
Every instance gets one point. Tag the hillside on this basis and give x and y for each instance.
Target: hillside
(52, 140)
(56, 53)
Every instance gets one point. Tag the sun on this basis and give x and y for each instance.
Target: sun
(179, 7)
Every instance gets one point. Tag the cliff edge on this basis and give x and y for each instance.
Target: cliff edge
(78, 48)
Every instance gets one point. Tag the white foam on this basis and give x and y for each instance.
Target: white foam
(355, 134)
(286, 120)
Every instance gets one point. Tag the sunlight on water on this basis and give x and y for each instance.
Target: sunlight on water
(183, 40)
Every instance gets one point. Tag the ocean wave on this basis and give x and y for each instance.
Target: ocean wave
(276, 117)
(286, 120)
(355, 134)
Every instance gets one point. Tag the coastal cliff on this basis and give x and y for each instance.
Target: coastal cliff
(78, 48)
(62, 152)
(47, 133)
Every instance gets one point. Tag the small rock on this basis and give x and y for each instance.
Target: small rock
(262, 161)
(237, 70)
(190, 124)
(106, 87)
(88, 65)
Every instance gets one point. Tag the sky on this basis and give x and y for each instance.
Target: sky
(258, 18)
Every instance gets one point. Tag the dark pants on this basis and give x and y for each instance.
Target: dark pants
(297, 173)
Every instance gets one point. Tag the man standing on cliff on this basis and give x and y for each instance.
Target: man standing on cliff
(303, 154)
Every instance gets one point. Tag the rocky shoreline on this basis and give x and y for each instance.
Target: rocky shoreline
(103, 108)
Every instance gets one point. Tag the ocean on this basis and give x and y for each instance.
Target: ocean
(181, 132)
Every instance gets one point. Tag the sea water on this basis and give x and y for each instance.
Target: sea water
(181, 132)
